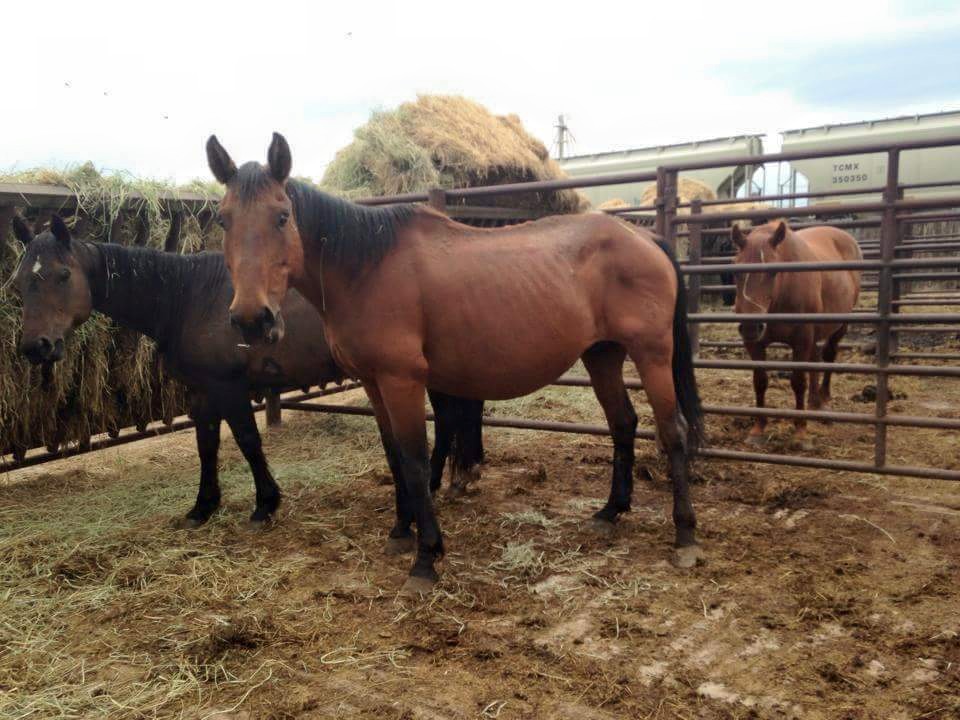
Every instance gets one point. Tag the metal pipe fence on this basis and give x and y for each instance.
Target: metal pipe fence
(892, 215)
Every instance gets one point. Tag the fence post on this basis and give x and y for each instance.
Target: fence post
(666, 206)
(272, 400)
(6, 218)
(896, 285)
(172, 242)
(694, 281)
(437, 199)
(888, 245)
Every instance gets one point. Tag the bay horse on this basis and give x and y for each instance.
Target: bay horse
(824, 291)
(181, 302)
(413, 300)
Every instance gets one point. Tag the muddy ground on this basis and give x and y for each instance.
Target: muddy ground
(824, 595)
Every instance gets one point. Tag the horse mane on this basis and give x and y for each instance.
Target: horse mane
(149, 287)
(354, 236)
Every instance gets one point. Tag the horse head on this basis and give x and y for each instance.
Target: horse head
(755, 290)
(261, 241)
(54, 290)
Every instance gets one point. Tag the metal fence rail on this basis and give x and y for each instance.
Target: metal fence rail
(888, 258)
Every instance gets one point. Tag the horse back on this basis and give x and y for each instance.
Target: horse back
(839, 289)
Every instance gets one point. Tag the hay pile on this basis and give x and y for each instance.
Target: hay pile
(688, 190)
(448, 142)
(109, 378)
(613, 204)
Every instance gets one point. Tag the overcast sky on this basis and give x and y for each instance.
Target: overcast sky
(139, 87)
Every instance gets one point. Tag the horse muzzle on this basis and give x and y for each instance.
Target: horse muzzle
(42, 350)
(751, 331)
(266, 327)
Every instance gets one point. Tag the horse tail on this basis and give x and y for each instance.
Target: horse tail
(684, 380)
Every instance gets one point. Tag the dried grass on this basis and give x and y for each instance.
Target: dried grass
(688, 190)
(110, 377)
(446, 141)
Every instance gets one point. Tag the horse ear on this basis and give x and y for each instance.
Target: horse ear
(60, 230)
(737, 237)
(278, 158)
(222, 167)
(779, 234)
(22, 230)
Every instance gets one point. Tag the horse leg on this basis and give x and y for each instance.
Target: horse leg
(813, 387)
(207, 426)
(468, 442)
(830, 355)
(400, 540)
(403, 399)
(803, 348)
(760, 382)
(656, 373)
(443, 428)
(238, 413)
(458, 431)
(604, 363)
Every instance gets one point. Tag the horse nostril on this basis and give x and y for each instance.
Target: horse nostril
(37, 350)
(268, 318)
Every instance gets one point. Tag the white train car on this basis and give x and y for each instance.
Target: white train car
(854, 172)
(723, 181)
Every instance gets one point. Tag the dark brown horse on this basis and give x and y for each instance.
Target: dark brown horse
(826, 291)
(413, 300)
(181, 302)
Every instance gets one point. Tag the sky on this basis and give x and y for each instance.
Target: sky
(139, 87)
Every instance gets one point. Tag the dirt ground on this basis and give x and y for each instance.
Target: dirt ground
(824, 595)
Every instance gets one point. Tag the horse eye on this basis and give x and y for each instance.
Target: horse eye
(220, 221)
(282, 219)
(64, 275)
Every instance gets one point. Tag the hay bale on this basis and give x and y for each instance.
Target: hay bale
(613, 204)
(738, 207)
(446, 141)
(109, 378)
(688, 190)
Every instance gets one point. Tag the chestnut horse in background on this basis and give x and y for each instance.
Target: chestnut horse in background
(824, 291)
(414, 300)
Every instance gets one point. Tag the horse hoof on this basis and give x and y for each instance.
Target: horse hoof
(187, 523)
(603, 528)
(399, 545)
(417, 586)
(756, 440)
(259, 524)
(688, 556)
(455, 491)
(805, 444)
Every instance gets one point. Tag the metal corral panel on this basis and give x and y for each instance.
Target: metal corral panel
(648, 159)
(870, 171)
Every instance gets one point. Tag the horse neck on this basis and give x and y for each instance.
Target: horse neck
(139, 289)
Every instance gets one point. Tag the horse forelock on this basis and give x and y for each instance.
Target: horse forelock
(250, 180)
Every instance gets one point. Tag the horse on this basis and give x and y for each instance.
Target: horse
(479, 313)
(825, 291)
(180, 301)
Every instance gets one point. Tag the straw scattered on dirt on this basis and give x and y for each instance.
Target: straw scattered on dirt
(824, 595)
